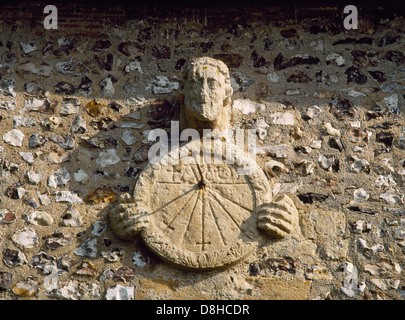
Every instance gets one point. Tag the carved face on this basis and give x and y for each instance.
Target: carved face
(204, 92)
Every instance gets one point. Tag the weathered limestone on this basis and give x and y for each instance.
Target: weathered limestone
(204, 216)
(205, 95)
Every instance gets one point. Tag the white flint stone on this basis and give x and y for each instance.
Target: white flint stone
(306, 149)
(351, 284)
(391, 87)
(326, 162)
(355, 124)
(69, 106)
(33, 105)
(107, 88)
(79, 125)
(28, 47)
(363, 247)
(360, 195)
(119, 292)
(7, 88)
(316, 144)
(391, 102)
(278, 151)
(273, 77)
(18, 260)
(112, 255)
(283, 118)
(400, 231)
(359, 165)
(336, 57)
(14, 137)
(247, 106)
(134, 115)
(51, 281)
(59, 178)
(313, 111)
(162, 85)
(262, 128)
(108, 158)
(27, 156)
(87, 249)
(128, 138)
(72, 66)
(293, 92)
(71, 218)
(70, 291)
(81, 176)
(385, 181)
(332, 131)
(8, 105)
(305, 167)
(75, 290)
(132, 125)
(392, 198)
(386, 163)
(358, 226)
(352, 93)
(43, 70)
(21, 192)
(44, 199)
(20, 121)
(133, 66)
(34, 177)
(138, 101)
(41, 218)
(386, 284)
(99, 228)
(26, 238)
(67, 196)
(138, 260)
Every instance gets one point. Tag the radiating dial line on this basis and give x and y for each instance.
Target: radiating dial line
(184, 205)
(235, 203)
(191, 215)
(216, 224)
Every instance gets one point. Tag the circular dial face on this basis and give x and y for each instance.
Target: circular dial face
(203, 215)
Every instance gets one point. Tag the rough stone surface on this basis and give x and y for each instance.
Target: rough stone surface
(199, 224)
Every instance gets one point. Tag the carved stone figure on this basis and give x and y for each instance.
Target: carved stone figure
(203, 215)
(205, 95)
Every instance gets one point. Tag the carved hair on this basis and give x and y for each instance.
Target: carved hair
(189, 74)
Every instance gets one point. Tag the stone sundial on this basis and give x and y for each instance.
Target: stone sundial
(199, 214)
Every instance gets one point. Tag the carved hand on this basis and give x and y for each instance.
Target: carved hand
(278, 218)
(127, 220)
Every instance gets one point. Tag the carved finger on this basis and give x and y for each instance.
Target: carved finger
(286, 200)
(141, 222)
(116, 210)
(124, 210)
(282, 205)
(282, 225)
(275, 212)
(272, 231)
(285, 205)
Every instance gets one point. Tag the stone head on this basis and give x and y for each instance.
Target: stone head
(206, 89)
